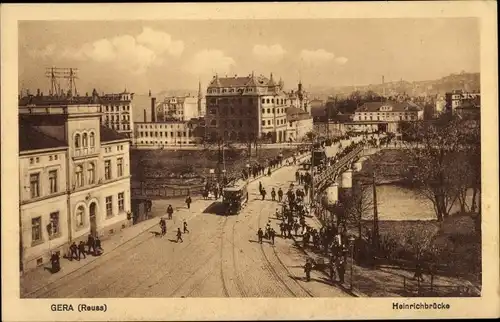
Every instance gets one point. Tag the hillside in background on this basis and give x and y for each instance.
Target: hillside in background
(469, 82)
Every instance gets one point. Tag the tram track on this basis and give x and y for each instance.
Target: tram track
(161, 277)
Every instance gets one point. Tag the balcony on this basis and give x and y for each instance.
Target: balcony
(85, 152)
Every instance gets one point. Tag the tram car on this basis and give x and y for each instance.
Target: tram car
(235, 197)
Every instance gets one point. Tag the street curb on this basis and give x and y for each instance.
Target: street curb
(353, 292)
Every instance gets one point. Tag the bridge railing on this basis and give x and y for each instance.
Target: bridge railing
(332, 171)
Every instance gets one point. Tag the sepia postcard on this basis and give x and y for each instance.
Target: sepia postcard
(231, 161)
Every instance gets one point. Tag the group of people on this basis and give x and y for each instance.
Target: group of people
(163, 227)
(270, 233)
(93, 247)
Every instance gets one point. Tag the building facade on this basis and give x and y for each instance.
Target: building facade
(460, 102)
(246, 108)
(299, 124)
(116, 112)
(383, 116)
(74, 178)
(159, 134)
(179, 108)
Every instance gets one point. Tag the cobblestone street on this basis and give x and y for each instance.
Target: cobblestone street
(219, 257)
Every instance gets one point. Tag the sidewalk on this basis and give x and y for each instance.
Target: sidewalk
(34, 280)
(41, 276)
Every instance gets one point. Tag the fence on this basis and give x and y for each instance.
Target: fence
(167, 192)
(419, 288)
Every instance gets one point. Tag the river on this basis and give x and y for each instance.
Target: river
(396, 202)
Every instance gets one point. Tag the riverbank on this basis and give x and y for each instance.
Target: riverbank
(388, 166)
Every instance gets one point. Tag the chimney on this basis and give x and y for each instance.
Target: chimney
(153, 109)
(145, 116)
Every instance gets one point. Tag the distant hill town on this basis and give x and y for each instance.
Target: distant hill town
(469, 82)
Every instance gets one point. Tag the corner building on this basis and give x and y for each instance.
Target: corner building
(74, 177)
(244, 109)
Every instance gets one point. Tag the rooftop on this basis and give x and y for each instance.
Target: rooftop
(108, 135)
(296, 114)
(32, 138)
(395, 107)
(250, 80)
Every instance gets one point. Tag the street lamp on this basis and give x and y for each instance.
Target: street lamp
(351, 244)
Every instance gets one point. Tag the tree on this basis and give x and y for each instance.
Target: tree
(432, 167)
(358, 206)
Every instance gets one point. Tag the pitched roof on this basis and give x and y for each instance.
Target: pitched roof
(295, 114)
(32, 138)
(241, 81)
(396, 106)
(108, 135)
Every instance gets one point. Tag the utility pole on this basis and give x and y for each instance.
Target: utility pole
(375, 217)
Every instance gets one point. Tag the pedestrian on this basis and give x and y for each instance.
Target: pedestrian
(185, 227)
(272, 234)
(90, 244)
(263, 193)
(282, 228)
(280, 195)
(188, 202)
(98, 247)
(74, 251)
(296, 227)
(273, 194)
(170, 211)
(163, 227)
(179, 235)
(260, 187)
(308, 269)
(297, 176)
(56, 264)
(332, 269)
(269, 171)
(341, 269)
(81, 250)
(260, 234)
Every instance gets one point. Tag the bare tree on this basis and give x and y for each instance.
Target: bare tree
(433, 168)
(358, 206)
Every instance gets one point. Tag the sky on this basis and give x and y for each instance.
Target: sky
(177, 54)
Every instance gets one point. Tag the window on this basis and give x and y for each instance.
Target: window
(107, 169)
(85, 141)
(35, 185)
(121, 201)
(267, 101)
(77, 141)
(119, 166)
(263, 123)
(109, 206)
(263, 111)
(36, 229)
(91, 173)
(80, 213)
(32, 160)
(263, 101)
(92, 139)
(268, 122)
(53, 181)
(54, 224)
(79, 176)
(272, 100)
(268, 110)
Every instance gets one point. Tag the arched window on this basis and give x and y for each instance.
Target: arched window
(79, 176)
(80, 217)
(91, 173)
(92, 139)
(77, 141)
(267, 101)
(85, 141)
